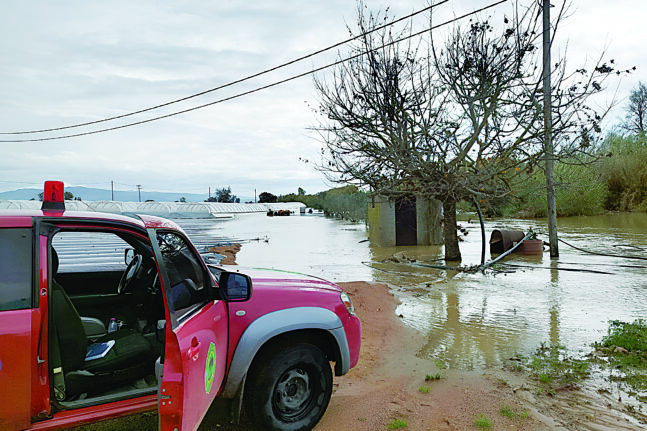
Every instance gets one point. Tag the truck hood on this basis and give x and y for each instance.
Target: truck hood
(273, 278)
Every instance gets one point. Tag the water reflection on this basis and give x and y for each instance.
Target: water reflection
(473, 320)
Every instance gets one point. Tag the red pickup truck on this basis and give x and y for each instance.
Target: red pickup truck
(103, 315)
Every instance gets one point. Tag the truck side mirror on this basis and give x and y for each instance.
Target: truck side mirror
(235, 287)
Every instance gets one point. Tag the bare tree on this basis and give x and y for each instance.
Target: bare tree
(453, 122)
(636, 119)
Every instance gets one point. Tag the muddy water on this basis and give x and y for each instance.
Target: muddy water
(473, 321)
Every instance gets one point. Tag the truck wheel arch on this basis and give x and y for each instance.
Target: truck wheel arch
(313, 325)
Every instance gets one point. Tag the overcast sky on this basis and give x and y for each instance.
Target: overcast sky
(68, 62)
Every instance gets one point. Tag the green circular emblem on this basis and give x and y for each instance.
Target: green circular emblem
(210, 368)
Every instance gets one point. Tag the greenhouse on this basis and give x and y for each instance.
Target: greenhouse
(161, 209)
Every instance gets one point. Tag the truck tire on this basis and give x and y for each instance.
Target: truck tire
(290, 389)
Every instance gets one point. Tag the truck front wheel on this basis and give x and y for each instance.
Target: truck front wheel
(290, 390)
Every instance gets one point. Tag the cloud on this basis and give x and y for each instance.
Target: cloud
(66, 62)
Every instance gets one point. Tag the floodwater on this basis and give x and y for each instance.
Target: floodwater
(471, 320)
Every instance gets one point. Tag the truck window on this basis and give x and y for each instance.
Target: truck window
(16, 269)
(88, 251)
(186, 275)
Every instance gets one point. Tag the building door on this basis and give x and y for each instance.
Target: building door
(406, 229)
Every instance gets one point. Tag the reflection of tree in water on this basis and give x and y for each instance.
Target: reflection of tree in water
(470, 342)
(476, 339)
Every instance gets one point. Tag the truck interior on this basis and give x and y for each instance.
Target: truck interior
(106, 318)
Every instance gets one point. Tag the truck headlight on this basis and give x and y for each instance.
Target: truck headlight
(345, 299)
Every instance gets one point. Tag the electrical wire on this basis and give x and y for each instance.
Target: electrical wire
(236, 96)
(558, 268)
(238, 81)
(603, 254)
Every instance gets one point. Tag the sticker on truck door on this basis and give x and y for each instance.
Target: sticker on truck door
(210, 368)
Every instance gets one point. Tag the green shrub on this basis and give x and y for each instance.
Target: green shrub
(623, 168)
(578, 191)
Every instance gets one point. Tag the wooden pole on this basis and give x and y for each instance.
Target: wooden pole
(548, 143)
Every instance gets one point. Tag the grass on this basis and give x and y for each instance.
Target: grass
(625, 346)
(483, 422)
(545, 378)
(628, 367)
(424, 389)
(397, 424)
(507, 411)
(551, 364)
(630, 336)
(429, 377)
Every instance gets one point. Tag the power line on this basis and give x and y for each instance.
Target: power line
(264, 87)
(238, 81)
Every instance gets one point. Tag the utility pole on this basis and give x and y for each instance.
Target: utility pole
(112, 189)
(209, 193)
(548, 142)
(139, 190)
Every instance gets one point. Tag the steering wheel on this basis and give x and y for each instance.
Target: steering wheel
(129, 273)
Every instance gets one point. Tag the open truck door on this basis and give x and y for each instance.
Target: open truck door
(196, 328)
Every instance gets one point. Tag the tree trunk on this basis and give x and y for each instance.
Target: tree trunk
(452, 251)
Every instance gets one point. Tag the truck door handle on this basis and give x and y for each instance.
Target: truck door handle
(194, 351)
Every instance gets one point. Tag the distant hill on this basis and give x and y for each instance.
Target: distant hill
(91, 194)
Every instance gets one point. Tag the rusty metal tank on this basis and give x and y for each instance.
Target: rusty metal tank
(503, 240)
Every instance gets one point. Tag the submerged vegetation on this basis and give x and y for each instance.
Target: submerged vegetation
(625, 347)
(347, 202)
(621, 356)
(554, 368)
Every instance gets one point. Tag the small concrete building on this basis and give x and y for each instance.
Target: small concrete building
(404, 221)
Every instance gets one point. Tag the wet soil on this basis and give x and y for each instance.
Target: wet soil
(229, 251)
